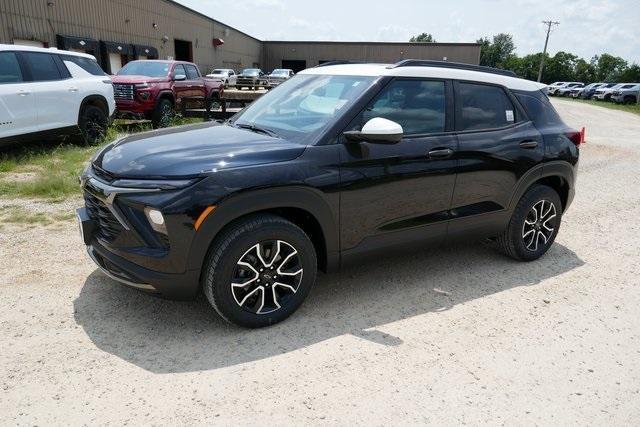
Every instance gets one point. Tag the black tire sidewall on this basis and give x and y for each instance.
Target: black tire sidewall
(217, 283)
(84, 121)
(533, 196)
(157, 113)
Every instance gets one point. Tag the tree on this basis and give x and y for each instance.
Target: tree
(560, 67)
(630, 74)
(496, 53)
(422, 38)
(609, 68)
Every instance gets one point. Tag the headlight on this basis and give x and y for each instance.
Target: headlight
(154, 184)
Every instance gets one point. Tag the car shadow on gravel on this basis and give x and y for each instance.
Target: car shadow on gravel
(167, 336)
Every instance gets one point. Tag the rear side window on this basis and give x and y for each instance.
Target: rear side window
(43, 66)
(538, 108)
(87, 64)
(192, 72)
(484, 107)
(417, 105)
(9, 68)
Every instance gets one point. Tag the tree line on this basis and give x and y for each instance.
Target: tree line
(499, 52)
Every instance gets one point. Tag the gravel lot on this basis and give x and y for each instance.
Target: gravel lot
(449, 336)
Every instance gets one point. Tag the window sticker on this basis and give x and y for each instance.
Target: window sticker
(509, 115)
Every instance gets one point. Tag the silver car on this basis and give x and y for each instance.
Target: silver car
(278, 76)
(227, 75)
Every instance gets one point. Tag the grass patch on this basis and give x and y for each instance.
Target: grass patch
(54, 167)
(630, 108)
(21, 216)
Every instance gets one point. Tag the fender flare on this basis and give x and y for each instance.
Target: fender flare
(91, 98)
(236, 206)
(559, 168)
(164, 94)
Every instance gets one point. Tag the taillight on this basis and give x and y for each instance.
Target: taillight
(577, 137)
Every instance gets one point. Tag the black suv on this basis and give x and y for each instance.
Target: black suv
(337, 162)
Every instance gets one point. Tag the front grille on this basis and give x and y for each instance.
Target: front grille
(617, 92)
(108, 226)
(122, 91)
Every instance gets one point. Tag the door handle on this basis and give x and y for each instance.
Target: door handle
(528, 144)
(440, 153)
(24, 93)
(73, 89)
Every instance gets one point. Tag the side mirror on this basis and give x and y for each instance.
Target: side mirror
(377, 131)
(179, 77)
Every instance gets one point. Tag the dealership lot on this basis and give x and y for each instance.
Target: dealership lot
(458, 334)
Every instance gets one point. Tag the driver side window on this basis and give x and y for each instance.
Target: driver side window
(417, 105)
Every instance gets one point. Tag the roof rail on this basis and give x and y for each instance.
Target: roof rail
(455, 65)
(339, 62)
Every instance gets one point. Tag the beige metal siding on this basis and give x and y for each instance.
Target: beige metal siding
(314, 52)
(128, 21)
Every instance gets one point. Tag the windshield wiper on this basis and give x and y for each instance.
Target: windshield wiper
(254, 128)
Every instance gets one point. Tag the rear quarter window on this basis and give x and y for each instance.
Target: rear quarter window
(538, 108)
(87, 64)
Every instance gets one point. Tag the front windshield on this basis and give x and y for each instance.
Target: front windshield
(279, 72)
(219, 72)
(250, 71)
(301, 108)
(145, 68)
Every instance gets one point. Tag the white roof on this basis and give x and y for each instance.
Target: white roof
(5, 47)
(427, 72)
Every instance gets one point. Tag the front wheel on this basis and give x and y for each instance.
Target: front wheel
(163, 114)
(259, 271)
(93, 124)
(533, 226)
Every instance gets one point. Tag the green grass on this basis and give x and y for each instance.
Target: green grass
(632, 108)
(22, 216)
(51, 170)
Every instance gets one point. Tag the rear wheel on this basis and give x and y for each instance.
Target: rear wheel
(93, 124)
(533, 226)
(259, 271)
(163, 114)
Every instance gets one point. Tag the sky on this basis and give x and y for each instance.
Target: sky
(587, 27)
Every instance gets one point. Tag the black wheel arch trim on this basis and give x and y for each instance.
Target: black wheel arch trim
(250, 202)
(559, 168)
(89, 99)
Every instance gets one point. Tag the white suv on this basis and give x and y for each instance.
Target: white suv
(50, 92)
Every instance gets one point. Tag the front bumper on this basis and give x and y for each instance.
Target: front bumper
(174, 286)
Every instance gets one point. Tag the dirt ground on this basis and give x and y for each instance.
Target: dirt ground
(455, 335)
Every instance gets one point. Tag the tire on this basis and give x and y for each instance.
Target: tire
(93, 124)
(528, 236)
(629, 100)
(233, 260)
(162, 114)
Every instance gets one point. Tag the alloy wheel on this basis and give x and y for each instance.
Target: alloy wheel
(539, 225)
(266, 276)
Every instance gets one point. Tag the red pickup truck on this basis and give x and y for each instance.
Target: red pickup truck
(156, 89)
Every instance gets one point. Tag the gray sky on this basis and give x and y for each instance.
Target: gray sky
(587, 27)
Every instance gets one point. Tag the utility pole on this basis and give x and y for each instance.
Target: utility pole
(546, 42)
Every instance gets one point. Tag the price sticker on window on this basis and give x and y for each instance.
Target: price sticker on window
(509, 114)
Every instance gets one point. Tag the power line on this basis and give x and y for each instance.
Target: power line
(546, 42)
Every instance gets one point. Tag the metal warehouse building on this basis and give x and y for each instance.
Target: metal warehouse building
(117, 31)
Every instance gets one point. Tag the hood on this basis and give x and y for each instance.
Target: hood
(192, 150)
(137, 79)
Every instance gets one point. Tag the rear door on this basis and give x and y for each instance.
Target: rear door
(56, 94)
(197, 88)
(394, 194)
(498, 144)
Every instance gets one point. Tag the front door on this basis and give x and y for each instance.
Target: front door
(400, 193)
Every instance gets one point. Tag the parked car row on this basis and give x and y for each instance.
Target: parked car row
(47, 93)
(621, 93)
(251, 78)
